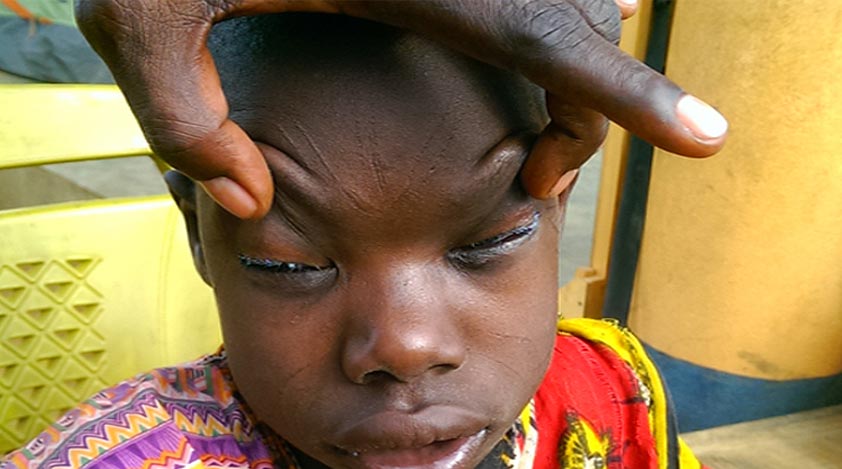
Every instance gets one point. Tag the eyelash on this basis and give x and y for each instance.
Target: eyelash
(278, 267)
(481, 253)
(474, 255)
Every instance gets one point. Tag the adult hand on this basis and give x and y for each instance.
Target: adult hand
(157, 53)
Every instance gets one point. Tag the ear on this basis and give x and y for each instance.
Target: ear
(183, 191)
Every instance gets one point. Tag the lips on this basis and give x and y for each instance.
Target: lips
(435, 437)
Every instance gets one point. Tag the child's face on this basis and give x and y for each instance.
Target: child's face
(397, 307)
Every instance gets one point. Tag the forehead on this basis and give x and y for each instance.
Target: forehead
(319, 86)
(368, 115)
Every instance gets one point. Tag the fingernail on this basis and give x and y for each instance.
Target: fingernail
(563, 183)
(231, 196)
(630, 3)
(705, 122)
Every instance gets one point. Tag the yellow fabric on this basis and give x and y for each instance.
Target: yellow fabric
(686, 458)
(630, 350)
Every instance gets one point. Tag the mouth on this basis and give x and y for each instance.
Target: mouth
(441, 454)
(436, 437)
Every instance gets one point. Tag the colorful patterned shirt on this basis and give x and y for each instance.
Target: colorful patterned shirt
(601, 405)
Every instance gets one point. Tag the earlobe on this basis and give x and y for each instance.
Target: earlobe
(183, 191)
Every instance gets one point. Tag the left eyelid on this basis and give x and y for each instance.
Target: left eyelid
(272, 265)
(482, 251)
(519, 232)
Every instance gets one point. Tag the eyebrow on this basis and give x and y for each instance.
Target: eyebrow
(295, 181)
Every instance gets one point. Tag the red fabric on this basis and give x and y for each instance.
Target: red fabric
(589, 383)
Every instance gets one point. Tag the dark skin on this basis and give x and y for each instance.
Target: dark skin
(397, 306)
(157, 54)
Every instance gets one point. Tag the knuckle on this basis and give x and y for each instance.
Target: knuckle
(543, 29)
(189, 146)
(604, 18)
(107, 17)
(100, 20)
(583, 127)
(171, 137)
(219, 9)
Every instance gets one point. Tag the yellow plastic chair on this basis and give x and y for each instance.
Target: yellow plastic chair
(91, 292)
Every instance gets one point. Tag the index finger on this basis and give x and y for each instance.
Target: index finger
(595, 74)
(553, 45)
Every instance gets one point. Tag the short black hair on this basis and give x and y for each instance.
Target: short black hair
(252, 48)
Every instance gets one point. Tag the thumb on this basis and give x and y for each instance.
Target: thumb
(158, 56)
(573, 135)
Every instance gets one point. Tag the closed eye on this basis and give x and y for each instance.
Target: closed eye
(481, 253)
(277, 267)
(288, 278)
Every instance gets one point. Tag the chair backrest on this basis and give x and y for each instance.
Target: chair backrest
(91, 292)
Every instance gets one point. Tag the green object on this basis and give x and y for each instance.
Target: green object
(56, 11)
(40, 41)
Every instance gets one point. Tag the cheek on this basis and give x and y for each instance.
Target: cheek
(284, 363)
(278, 352)
(522, 305)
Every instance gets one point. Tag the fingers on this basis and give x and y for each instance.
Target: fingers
(157, 53)
(555, 45)
(229, 167)
(573, 135)
(601, 16)
(593, 73)
(627, 8)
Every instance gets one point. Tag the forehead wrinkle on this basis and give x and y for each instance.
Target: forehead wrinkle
(502, 162)
(263, 126)
(315, 150)
(488, 176)
(302, 170)
(294, 184)
(290, 136)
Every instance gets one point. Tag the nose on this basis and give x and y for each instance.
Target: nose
(403, 326)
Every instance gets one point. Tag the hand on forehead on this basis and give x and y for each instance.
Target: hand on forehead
(350, 100)
(561, 45)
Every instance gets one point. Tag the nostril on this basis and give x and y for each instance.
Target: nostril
(382, 376)
(377, 376)
(400, 357)
(444, 368)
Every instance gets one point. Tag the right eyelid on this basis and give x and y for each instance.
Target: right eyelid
(276, 266)
(481, 252)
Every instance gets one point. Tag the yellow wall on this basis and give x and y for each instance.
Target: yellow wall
(583, 295)
(741, 263)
